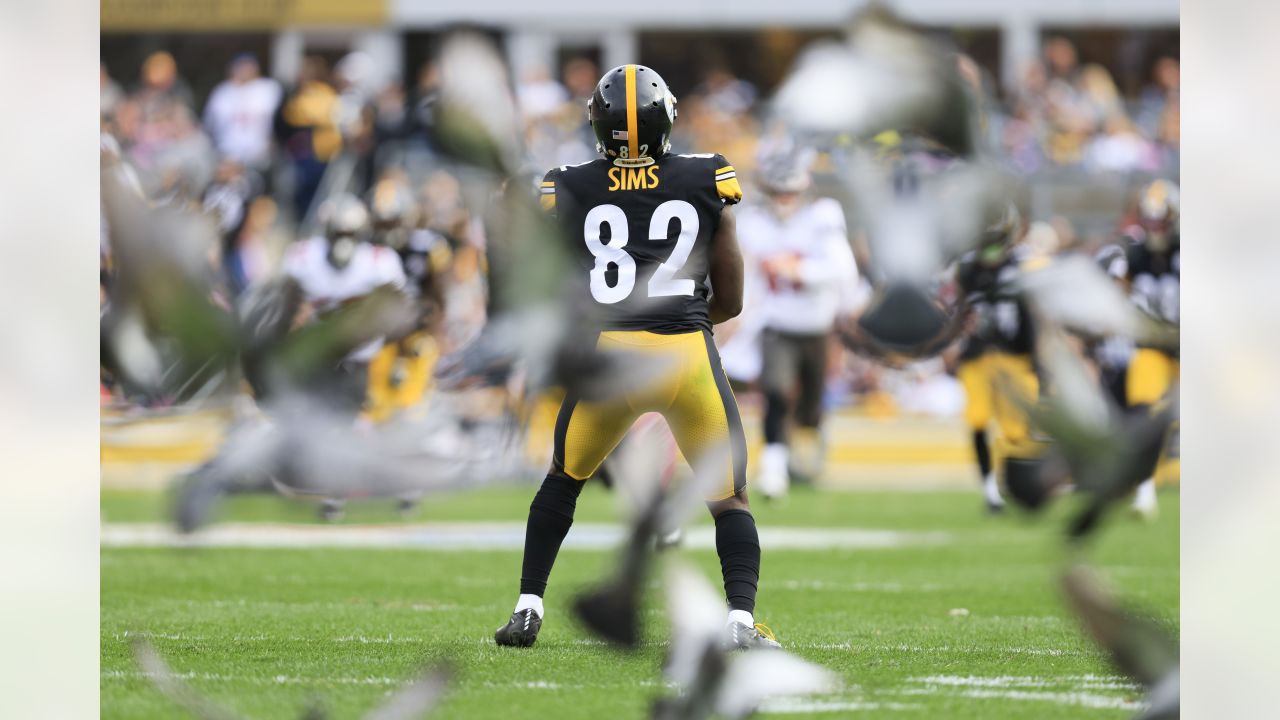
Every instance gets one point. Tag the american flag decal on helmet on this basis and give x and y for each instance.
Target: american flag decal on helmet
(620, 135)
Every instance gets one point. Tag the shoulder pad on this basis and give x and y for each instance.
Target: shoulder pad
(547, 190)
(726, 177)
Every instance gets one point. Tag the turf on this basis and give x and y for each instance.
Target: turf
(267, 632)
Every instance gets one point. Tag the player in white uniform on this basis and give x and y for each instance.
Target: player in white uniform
(337, 267)
(240, 112)
(806, 273)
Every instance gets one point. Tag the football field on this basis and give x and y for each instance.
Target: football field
(923, 605)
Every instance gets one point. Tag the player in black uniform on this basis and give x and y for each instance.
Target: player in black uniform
(1000, 345)
(1153, 270)
(656, 247)
(1112, 354)
(400, 374)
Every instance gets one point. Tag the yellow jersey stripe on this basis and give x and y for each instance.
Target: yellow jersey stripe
(633, 127)
(549, 183)
(729, 189)
(726, 168)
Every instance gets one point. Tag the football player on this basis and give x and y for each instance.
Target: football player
(997, 350)
(400, 373)
(1112, 354)
(1153, 270)
(655, 244)
(334, 268)
(803, 255)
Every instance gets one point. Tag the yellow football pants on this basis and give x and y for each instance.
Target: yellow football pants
(692, 393)
(1151, 375)
(400, 375)
(993, 385)
(1150, 378)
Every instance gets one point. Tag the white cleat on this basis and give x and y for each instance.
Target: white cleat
(1145, 504)
(991, 493)
(772, 480)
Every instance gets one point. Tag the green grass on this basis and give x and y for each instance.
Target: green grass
(267, 631)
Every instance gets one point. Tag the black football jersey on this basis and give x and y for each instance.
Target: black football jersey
(1004, 321)
(1155, 280)
(642, 236)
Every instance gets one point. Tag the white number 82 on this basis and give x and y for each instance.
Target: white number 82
(664, 282)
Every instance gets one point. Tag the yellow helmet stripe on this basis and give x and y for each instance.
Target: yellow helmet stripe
(633, 127)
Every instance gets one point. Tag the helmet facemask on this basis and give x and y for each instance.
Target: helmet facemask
(341, 249)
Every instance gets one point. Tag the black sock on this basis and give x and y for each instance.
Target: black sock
(775, 417)
(550, 515)
(983, 451)
(738, 545)
(1150, 455)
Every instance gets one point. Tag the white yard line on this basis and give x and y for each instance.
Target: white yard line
(1078, 699)
(255, 679)
(802, 706)
(1045, 652)
(483, 536)
(1096, 682)
(1060, 690)
(296, 680)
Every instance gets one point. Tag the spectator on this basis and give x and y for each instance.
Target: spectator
(1120, 148)
(248, 261)
(239, 114)
(538, 95)
(1159, 112)
(1061, 60)
(580, 76)
(391, 118)
(556, 130)
(185, 161)
(1099, 94)
(423, 102)
(357, 81)
(161, 83)
(306, 127)
(1070, 115)
(725, 93)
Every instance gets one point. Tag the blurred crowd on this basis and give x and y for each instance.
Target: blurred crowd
(256, 156)
(1068, 113)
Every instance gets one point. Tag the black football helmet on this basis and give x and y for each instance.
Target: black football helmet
(631, 112)
(393, 212)
(1158, 214)
(1004, 224)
